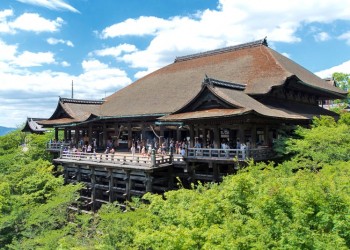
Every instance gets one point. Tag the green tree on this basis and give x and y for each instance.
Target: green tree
(342, 81)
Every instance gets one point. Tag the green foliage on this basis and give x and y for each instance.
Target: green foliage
(326, 142)
(342, 81)
(302, 203)
(33, 202)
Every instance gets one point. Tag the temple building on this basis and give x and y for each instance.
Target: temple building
(241, 94)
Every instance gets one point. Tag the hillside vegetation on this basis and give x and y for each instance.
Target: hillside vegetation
(302, 203)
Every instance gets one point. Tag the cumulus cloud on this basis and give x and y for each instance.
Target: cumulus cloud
(51, 4)
(115, 51)
(322, 36)
(54, 41)
(34, 22)
(30, 59)
(4, 27)
(27, 22)
(232, 22)
(109, 79)
(343, 68)
(345, 36)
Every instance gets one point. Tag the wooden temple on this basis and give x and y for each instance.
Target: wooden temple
(211, 102)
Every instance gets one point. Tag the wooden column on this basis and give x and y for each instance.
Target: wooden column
(171, 176)
(216, 137)
(241, 134)
(216, 173)
(65, 135)
(90, 133)
(191, 136)
(93, 189)
(178, 134)
(129, 135)
(205, 137)
(149, 182)
(110, 185)
(70, 135)
(161, 135)
(143, 134)
(76, 136)
(253, 142)
(104, 138)
(266, 135)
(56, 134)
(127, 184)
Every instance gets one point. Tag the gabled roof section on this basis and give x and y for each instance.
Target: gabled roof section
(238, 103)
(207, 98)
(73, 110)
(33, 126)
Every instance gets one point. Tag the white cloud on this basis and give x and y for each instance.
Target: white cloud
(65, 64)
(4, 26)
(34, 22)
(51, 4)
(7, 52)
(343, 68)
(345, 36)
(150, 25)
(286, 54)
(30, 59)
(233, 22)
(322, 36)
(115, 51)
(54, 41)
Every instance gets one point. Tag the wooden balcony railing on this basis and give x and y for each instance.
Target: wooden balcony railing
(151, 161)
(263, 153)
(56, 146)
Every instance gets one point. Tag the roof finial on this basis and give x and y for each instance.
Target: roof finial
(72, 90)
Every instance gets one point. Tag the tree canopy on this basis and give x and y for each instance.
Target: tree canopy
(301, 203)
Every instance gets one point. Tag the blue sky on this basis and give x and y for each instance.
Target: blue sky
(103, 46)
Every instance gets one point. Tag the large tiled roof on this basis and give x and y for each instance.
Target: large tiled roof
(73, 110)
(171, 87)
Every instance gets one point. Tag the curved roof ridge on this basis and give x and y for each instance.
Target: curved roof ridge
(222, 50)
(80, 101)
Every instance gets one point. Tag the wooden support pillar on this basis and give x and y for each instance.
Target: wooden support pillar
(65, 172)
(76, 136)
(70, 135)
(127, 185)
(90, 133)
(266, 136)
(191, 136)
(143, 134)
(253, 142)
(56, 134)
(232, 141)
(78, 173)
(65, 135)
(205, 137)
(110, 185)
(129, 135)
(149, 182)
(217, 142)
(104, 138)
(93, 189)
(216, 173)
(171, 177)
(178, 134)
(241, 134)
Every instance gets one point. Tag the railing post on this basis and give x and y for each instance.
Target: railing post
(61, 151)
(171, 156)
(153, 157)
